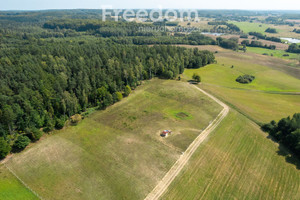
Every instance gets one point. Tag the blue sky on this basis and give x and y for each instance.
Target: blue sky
(195, 4)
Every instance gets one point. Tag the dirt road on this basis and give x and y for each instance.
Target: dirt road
(162, 186)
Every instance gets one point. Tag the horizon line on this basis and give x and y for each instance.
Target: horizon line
(210, 9)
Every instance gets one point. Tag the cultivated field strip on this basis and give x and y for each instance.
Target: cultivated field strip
(162, 186)
(13, 173)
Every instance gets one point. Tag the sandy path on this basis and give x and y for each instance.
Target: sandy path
(162, 186)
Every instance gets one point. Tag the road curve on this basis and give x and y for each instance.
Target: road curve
(163, 185)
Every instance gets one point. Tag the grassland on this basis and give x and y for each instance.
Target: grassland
(237, 162)
(11, 188)
(283, 30)
(273, 94)
(275, 53)
(247, 27)
(118, 153)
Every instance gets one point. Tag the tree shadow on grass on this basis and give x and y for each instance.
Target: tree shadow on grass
(283, 151)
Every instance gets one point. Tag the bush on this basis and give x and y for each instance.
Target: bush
(60, 123)
(21, 142)
(271, 30)
(168, 74)
(75, 119)
(4, 148)
(34, 134)
(49, 125)
(245, 79)
(197, 78)
(127, 90)
(117, 96)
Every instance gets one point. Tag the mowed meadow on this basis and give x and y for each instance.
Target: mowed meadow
(274, 94)
(282, 30)
(238, 161)
(11, 188)
(117, 153)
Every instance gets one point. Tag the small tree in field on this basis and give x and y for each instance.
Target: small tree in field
(197, 78)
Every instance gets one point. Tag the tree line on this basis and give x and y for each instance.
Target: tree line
(286, 131)
(257, 44)
(264, 37)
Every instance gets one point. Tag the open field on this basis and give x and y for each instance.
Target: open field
(283, 30)
(117, 153)
(11, 188)
(237, 162)
(163, 185)
(276, 53)
(273, 94)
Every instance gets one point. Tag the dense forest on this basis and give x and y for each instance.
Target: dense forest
(43, 83)
(287, 132)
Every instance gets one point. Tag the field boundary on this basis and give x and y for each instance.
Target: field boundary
(163, 185)
(19, 179)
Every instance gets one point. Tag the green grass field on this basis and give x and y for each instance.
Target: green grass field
(11, 188)
(271, 96)
(237, 162)
(283, 30)
(247, 27)
(276, 53)
(118, 153)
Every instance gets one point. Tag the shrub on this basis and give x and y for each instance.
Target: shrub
(4, 148)
(245, 79)
(60, 123)
(271, 30)
(127, 90)
(119, 96)
(197, 78)
(75, 119)
(21, 142)
(34, 134)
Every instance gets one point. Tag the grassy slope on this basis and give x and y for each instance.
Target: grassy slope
(117, 153)
(251, 27)
(264, 99)
(11, 188)
(276, 53)
(237, 162)
(283, 30)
